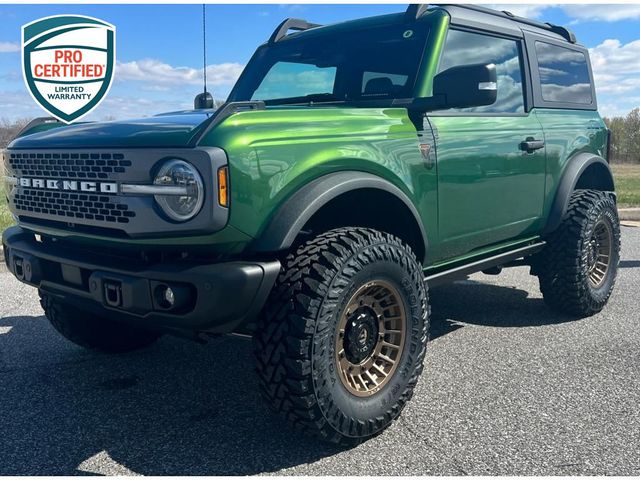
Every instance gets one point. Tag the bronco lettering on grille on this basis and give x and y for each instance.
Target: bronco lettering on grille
(69, 185)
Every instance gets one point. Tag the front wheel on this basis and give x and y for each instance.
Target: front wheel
(341, 343)
(578, 267)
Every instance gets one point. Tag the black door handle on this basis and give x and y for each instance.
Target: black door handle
(530, 145)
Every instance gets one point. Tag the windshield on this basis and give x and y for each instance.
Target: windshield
(379, 62)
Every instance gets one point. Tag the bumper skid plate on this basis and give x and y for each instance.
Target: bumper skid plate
(215, 298)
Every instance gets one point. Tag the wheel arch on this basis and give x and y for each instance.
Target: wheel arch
(327, 202)
(583, 171)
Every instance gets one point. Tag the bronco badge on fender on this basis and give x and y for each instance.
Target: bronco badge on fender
(67, 63)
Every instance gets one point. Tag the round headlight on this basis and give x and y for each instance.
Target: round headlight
(185, 202)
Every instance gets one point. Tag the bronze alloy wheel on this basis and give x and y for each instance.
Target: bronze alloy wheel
(370, 339)
(341, 342)
(599, 253)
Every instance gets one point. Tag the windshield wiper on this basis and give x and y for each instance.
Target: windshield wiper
(306, 99)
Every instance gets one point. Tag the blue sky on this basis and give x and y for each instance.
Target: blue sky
(159, 51)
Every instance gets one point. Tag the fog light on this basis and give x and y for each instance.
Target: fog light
(173, 297)
(165, 297)
(169, 297)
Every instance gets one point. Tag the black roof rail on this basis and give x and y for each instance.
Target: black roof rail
(290, 24)
(563, 32)
(418, 10)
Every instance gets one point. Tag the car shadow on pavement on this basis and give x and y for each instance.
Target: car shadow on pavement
(469, 302)
(177, 408)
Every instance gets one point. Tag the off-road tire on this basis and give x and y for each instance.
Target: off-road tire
(563, 265)
(93, 332)
(295, 338)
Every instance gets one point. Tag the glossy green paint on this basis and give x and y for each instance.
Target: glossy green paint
(488, 189)
(567, 133)
(439, 21)
(169, 130)
(43, 127)
(275, 152)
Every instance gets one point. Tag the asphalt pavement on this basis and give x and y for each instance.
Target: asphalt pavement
(509, 388)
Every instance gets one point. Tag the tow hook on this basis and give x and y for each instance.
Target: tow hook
(25, 267)
(18, 268)
(113, 293)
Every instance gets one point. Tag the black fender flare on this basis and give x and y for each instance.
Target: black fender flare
(295, 212)
(576, 166)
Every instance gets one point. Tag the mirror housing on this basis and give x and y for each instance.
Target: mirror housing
(467, 86)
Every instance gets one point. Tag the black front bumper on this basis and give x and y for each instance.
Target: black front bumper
(215, 297)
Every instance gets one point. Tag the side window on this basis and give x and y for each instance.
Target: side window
(564, 74)
(292, 80)
(467, 48)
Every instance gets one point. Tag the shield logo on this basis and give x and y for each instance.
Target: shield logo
(68, 63)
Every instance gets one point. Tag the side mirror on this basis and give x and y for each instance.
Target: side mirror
(467, 86)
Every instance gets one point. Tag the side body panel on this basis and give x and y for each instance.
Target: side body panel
(489, 190)
(566, 134)
(274, 152)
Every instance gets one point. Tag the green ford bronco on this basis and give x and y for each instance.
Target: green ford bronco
(351, 166)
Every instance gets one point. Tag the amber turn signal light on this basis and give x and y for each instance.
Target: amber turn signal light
(223, 186)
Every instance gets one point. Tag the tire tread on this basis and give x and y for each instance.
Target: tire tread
(284, 337)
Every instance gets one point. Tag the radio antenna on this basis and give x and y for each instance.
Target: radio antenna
(204, 44)
(204, 99)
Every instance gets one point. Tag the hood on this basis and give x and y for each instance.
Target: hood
(175, 130)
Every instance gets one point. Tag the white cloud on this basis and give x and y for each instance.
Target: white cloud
(602, 12)
(157, 72)
(9, 47)
(613, 58)
(18, 104)
(616, 69)
(293, 7)
(618, 107)
(615, 66)
(578, 12)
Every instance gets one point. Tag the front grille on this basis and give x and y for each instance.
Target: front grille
(73, 205)
(97, 209)
(99, 166)
(79, 190)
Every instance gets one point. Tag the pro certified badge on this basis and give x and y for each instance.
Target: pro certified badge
(68, 63)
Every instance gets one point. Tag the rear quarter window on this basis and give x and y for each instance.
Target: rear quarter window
(564, 74)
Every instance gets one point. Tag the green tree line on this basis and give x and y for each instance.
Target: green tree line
(625, 137)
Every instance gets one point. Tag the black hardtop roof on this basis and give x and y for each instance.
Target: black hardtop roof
(461, 15)
(496, 20)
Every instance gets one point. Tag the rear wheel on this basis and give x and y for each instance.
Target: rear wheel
(341, 343)
(94, 332)
(578, 267)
